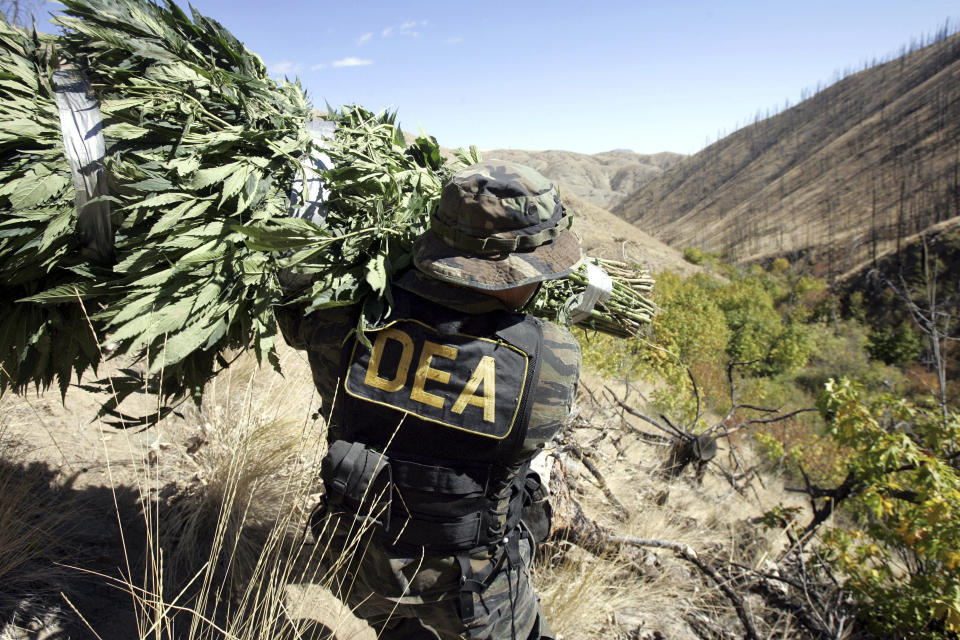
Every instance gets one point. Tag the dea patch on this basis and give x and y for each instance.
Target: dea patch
(454, 380)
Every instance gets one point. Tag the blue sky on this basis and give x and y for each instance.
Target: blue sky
(580, 76)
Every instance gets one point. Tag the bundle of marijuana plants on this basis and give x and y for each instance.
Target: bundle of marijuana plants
(201, 148)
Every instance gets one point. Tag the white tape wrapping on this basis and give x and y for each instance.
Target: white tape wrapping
(82, 130)
(599, 288)
(310, 203)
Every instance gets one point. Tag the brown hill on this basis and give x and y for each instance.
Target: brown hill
(601, 178)
(604, 235)
(595, 178)
(840, 178)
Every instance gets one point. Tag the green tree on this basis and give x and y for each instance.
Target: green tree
(899, 345)
(689, 331)
(901, 556)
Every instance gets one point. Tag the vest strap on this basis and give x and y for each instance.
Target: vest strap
(472, 582)
(440, 479)
(450, 535)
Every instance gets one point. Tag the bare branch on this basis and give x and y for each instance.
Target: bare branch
(637, 414)
(752, 421)
(696, 394)
(687, 553)
(573, 446)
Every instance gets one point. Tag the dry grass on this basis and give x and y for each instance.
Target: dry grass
(223, 547)
(842, 176)
(580, 593)
(34, 535)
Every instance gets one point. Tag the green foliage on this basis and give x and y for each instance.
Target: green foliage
(779, 265)
(37, 247)
(840, 351)
(202, 147)
(381, 194)
(752, 319)
(704, 322)
(899, 345)
(894, 462)
(199, 139)
(694, 255)
(613, 357)
(766, 326)
(691, 325)
(689, 331)
(902, 558)
(792, 347)
(856, 306)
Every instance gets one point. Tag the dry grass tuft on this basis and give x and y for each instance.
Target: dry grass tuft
(222, 548)
(580, 593)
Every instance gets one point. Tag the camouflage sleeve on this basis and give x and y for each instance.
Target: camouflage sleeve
(322, 335)
(288, 319)
(553, 396)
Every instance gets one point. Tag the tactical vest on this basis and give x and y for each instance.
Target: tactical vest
(433, 410)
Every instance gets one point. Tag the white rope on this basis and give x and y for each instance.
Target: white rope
(82, 130)
(599, 288)
(308, 201)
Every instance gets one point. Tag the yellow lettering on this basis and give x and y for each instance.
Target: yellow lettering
(425, 372)
(486, 372)
(372, 377)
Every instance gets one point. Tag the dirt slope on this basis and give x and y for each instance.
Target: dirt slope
(840, 177)
(602, 178)
(604, 235)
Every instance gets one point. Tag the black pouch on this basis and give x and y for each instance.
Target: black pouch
(536, 514)
(359, 481)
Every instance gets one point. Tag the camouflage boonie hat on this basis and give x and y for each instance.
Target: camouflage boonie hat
(499, 225)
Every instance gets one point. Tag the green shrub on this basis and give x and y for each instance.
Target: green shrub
(690, 331)
(694, 255)
(856, 306)
(763, 327)
(780, 265)
(842, 354)
(899, 345)
(902, 558)
(752, 319)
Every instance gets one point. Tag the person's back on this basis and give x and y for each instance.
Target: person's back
(439, 411)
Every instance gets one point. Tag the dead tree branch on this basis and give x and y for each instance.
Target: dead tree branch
(584, 457)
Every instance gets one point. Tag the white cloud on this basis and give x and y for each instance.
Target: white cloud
(352, 62)
(365, 38)
(283, 68)
(408, 28)
(318, 67)
(456, 40)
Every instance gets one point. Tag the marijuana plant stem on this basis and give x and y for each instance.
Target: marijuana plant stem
(199, 104)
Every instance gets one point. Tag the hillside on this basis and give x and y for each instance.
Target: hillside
(602, 178)
(839, 178)
(604, 235)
